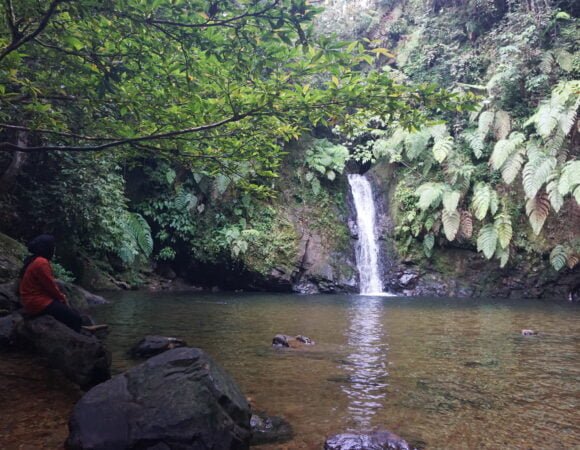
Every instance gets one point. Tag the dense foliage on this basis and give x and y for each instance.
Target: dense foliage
(484, 179)
(195, 97)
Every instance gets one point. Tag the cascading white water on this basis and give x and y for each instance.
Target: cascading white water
(367, 251)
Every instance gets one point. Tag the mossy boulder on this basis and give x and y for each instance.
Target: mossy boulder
(12, 253)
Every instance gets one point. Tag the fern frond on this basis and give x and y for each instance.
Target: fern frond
(442, 147)
(451, 200)
(569, 178)
(503, 225)
(565, 60)
(475, 141)
(503, 254)
(568, 118)
(493, 202)
(501, 124)
(547, 62)
(466, 225)
(556, 199)
(537, 209)
(572, 261)
(547, 119)
(416, 142)
(536, 173)
(438, 131)
(450, 221)
(487, 240)
(485, 124)
(484, 199)
(141, 231)
(430, 194)
(504, 148)
(512, 166)
(428, 244)
(558, 257)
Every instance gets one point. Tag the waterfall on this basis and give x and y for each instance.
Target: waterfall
(367, 250)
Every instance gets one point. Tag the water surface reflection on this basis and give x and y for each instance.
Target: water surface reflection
(367, 363)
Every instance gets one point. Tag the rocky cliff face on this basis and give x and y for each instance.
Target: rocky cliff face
(459, 270)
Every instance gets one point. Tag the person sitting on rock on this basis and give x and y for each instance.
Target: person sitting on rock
(39, 293)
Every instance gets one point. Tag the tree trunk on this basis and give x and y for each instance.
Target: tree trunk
(18, 159)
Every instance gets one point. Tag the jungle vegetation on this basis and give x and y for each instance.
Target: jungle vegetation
(155, 129)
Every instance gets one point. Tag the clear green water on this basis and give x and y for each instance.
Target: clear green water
(453, 374)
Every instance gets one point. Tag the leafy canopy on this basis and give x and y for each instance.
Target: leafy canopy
(218, 84)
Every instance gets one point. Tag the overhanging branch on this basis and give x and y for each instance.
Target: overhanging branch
(11, 147)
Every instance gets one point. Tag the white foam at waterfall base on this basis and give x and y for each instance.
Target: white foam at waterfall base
(367, 250)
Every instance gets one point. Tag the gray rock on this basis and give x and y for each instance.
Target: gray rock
(8, 327)
(269, 429)
(407, 278)
(8, 297)
(178, 400)
(283, 340)
(153, 345)
(378, 440)
(82, 359)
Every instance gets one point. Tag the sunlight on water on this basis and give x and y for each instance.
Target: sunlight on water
(367, 364)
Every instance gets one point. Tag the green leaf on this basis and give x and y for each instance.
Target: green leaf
(485, 124)
(536, 173)
(503, 254)
(484, 199)
(428, 243)
(570, 177)
(442, 148)
(451, 222)
(503, 225)
(430, 194)
(487, 240)
(451, 200)
(511, 168)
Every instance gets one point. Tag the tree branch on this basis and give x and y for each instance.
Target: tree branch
(18, 40)
(56, 133)
(11, 147)
(211, 23)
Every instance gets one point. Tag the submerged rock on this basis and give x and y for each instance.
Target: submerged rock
(283, 340)
(269, 429)
(153, 345)
(529, 333)
(180, 399)
(83, 359)
(378, 440)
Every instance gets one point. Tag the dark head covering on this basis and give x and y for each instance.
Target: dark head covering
(42, 245)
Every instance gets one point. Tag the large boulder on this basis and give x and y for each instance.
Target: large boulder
(8, 328)
(83, 359)
(79, 298)
(153, 345)
(378, 440)
(8, 297)
(12, 253)
(178, 400)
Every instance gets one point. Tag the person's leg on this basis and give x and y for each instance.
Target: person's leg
(64, 314)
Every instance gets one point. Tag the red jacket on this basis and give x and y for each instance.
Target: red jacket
(38, 288)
